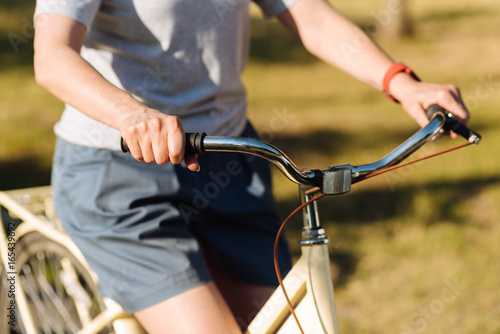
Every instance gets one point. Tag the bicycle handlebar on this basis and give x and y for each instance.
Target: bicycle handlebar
(335, 179)
(452, 124)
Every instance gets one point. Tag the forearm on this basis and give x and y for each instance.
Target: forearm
(337, 41)
(332, 38)
(65, 74)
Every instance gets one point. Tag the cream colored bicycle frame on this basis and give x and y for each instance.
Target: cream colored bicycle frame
(35, 220)
(309, 287)
(308, 284)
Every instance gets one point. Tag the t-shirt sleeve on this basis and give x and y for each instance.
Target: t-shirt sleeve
(271, 8)
(83, 11)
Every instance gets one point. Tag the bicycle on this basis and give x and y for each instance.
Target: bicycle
(56, 291)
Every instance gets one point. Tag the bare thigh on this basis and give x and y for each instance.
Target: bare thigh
(244, 299)
(198, 310)
(224, 306)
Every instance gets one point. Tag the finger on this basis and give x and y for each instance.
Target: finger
(159, 138)
(417, 112)
(130, 137)
(145, 142)
(147, 150)
(457, 109)
(176, 140)
(160, 150)
(449, 98)
(135, 149)
(464, 118)
(191, 162)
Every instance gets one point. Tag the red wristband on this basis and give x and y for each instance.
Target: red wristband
(391, 72)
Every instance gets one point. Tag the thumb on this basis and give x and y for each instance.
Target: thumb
(191, 162)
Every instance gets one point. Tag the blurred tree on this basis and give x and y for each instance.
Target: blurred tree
(398, 22)
(391, 21)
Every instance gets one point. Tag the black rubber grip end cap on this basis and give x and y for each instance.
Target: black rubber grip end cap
(194, 143)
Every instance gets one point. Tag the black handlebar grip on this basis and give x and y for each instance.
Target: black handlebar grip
(194, 144)
(434, 109)
(452, 124)
(124, 146)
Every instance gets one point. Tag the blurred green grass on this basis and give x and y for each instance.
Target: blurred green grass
(413, 251)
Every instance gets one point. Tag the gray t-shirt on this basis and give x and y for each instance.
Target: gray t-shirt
(182, 57)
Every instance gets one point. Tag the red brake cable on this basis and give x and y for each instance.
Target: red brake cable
(318, 197)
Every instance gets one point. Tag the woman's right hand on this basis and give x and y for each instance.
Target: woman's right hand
(156, 137)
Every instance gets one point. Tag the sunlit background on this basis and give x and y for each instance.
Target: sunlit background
(413, 251)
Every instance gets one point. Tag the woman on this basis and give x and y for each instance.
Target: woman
(147, 71)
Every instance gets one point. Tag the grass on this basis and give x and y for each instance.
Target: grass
(413, 251)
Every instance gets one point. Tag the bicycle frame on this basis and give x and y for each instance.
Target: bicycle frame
(31, 222)
(308, 285)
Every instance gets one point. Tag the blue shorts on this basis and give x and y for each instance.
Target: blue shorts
(143, 227)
